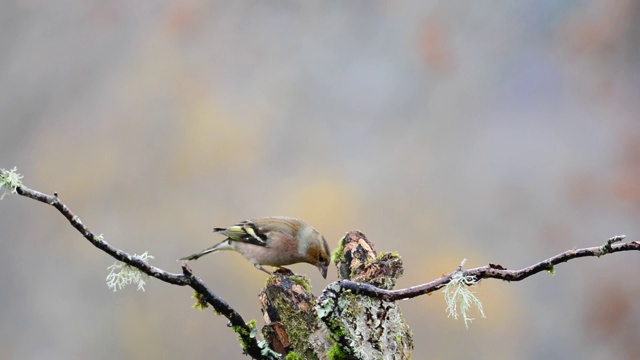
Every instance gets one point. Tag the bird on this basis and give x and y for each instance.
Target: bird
(274, 241)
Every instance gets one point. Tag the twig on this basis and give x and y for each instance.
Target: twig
(491, 271)
(187, 278)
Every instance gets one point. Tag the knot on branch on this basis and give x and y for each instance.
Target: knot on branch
(606, 248)
(357, 260)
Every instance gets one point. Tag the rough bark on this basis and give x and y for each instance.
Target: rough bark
(338, 324)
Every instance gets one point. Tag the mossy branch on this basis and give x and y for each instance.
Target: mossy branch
(362, 271)
(10, 183)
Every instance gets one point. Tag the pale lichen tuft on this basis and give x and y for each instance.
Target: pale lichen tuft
(9, 181)
(460, 299)
(122, 274)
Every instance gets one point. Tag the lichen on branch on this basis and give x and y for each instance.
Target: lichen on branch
(10, 181)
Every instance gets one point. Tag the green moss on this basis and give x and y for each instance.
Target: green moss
(241, 334)
(294, 356)
(302, 281)
(336, 353)
(337, 327)
(244, 333)
(338, 254)
(387, 254)
(253, 325)
(269, 279)
(241, 331)
(201, 302)
(297, 328)
(338, 332)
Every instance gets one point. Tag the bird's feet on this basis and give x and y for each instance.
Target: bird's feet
(284, 271)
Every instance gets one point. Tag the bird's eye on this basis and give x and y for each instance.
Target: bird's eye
(322, 259)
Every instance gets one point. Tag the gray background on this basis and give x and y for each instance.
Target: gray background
(498, 131)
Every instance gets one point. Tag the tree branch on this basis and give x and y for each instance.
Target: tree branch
(491, 271)
(358, 260)
(187, 278)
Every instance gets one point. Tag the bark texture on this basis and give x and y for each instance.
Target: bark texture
(338, 324)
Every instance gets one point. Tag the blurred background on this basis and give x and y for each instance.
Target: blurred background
(502, 132)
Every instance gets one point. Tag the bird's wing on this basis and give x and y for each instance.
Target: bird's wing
(258, 231)
(245, 231)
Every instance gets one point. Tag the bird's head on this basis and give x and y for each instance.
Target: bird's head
(318, 252)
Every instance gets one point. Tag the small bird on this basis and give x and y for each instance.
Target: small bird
(273, 241)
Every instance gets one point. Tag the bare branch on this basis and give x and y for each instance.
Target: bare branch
(185, 279)
(491, 271)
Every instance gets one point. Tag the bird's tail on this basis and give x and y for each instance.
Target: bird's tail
(225, 245)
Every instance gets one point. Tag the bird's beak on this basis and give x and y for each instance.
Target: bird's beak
(323, 271)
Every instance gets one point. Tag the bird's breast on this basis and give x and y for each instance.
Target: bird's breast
(279, 251)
